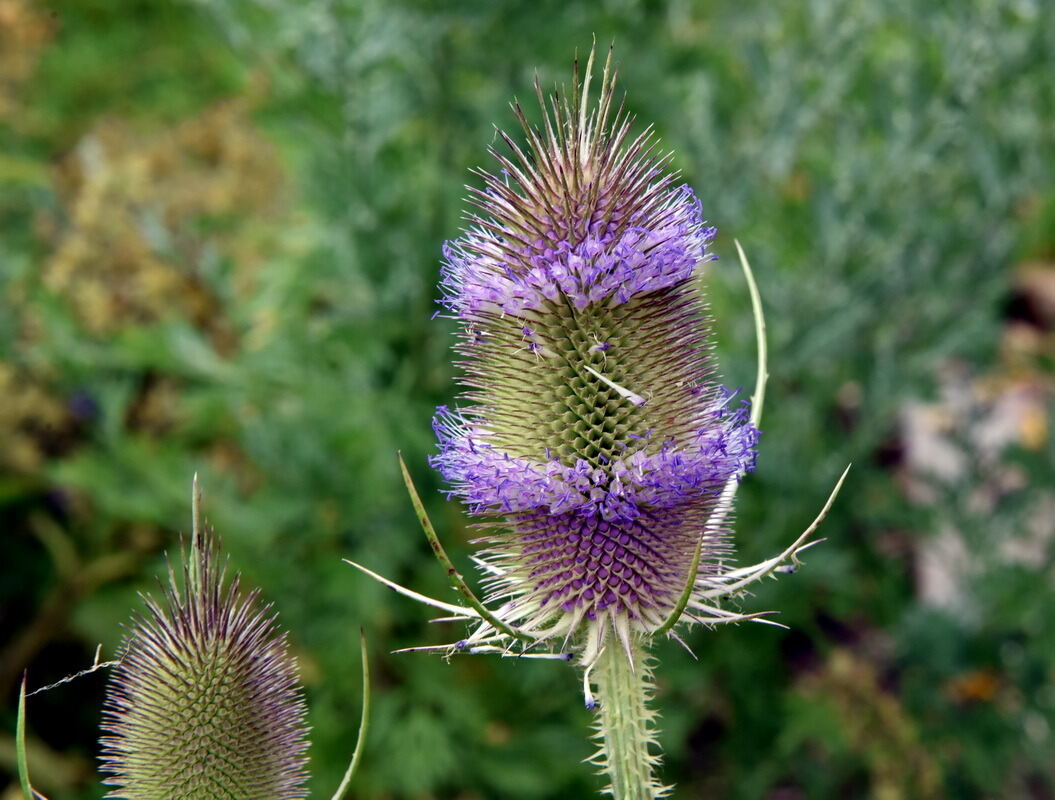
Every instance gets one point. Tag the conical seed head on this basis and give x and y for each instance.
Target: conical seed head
(595, 440)
(205, 702)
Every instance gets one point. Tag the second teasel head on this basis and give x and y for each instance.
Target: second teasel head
(205, 702)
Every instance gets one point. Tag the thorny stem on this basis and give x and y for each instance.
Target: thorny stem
(625, 723)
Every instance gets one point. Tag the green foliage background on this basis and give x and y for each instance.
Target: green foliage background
(220, 226)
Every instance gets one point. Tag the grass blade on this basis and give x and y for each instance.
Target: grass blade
(20, 744)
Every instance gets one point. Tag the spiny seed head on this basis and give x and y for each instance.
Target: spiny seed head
(205, 702)
(595, 441)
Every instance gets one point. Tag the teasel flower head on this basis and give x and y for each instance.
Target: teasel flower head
(205, 702)
(595, 441)
(594, 447)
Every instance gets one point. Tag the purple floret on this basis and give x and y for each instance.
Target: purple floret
(608, 264)
(490, 480)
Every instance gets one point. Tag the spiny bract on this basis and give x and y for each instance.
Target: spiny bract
(596, 443)
(205, 703)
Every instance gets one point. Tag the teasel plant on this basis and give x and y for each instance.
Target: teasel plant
(204, 700)
(596, 450)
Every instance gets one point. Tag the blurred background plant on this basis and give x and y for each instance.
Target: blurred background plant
(220, 225)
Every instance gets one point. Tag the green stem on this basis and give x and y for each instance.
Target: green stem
(624, 723)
